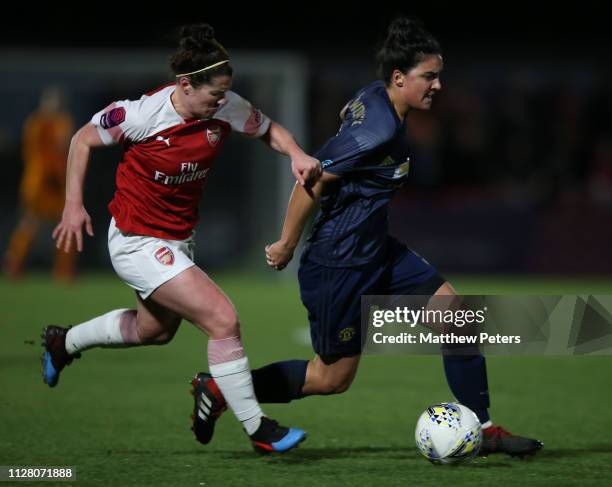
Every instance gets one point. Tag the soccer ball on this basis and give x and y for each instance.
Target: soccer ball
(448, 432)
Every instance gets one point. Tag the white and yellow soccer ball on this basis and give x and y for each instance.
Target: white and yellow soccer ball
(448, 432)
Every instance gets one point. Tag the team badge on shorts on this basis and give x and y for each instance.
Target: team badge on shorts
(346, 334)
(213, 134)
(164, 256)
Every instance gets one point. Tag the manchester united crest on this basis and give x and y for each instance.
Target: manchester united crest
(213, 134)
(164, 256)
(346, 334)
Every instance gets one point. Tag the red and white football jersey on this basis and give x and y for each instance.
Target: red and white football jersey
(166, 159)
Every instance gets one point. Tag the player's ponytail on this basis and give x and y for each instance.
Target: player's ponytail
(199, 55)
(407, 43)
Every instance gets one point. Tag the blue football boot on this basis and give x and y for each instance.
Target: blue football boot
(55, 357)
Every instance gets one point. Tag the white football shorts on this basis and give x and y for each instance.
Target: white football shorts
(145, 263)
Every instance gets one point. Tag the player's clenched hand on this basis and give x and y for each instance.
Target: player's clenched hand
(71, 227)
(278, 255)
(306, 169)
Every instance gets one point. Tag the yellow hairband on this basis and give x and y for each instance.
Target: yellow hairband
(204, 69)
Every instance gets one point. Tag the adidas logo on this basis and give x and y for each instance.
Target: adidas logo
(204, 409)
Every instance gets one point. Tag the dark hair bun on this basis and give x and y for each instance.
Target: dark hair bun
(196, 37)
(198, 49)
(406, 44)
(406, 32)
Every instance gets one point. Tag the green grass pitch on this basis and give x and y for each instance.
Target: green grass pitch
(122, 416)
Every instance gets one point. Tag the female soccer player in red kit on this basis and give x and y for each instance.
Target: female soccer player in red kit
(170, 137)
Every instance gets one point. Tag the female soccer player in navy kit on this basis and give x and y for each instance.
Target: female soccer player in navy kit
(171, 137)
(349, 252)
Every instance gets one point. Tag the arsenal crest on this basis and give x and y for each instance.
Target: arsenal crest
(164, 256)
(213, 134)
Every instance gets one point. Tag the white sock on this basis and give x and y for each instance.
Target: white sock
(101, 331)
(486, 424)
(236, 384)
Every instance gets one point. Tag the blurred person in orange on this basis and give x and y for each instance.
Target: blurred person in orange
(46, 138)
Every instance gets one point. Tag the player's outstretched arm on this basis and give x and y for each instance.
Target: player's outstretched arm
(75, 215)
(306, 169)
(303, 200)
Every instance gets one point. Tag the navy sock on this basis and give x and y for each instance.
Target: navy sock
(467, 379)
(280, 381)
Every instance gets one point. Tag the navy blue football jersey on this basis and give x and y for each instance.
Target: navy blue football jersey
(370, 153)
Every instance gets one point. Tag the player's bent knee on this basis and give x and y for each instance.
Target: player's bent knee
(333, 385)
(157, 332)
(341, 387)
(160, 338)
(163, 338)
(225, 323)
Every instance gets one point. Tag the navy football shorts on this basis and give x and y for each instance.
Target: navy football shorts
(332, 295)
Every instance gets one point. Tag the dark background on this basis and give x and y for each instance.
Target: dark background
(512, 169)
(310, 26)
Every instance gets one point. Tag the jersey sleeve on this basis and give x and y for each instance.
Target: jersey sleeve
(242, 116)
(119, 121)
(344, 152)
